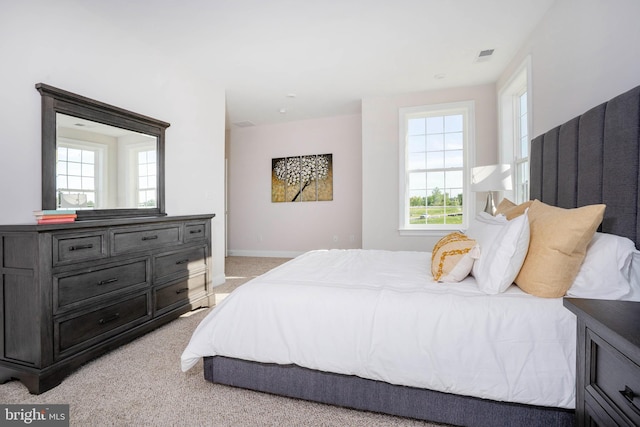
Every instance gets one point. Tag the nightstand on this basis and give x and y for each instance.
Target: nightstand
(608, 362)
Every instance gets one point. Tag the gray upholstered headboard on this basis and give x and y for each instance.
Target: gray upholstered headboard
(594, 158)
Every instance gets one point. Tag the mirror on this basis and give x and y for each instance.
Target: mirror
(103, 167)
(101, 160)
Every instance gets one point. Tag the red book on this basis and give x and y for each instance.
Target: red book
(54, 216)
(56, 220)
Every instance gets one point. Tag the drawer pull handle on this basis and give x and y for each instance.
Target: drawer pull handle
(199, 230)
(80, 247)
(106, 282)
(181, 291)
(182, 261)
(105, 320)
(628, 394)
(149, 237)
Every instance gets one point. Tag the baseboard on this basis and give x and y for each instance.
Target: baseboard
(265, 254)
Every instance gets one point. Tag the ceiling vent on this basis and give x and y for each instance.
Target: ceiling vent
(484, 55)
(244, 124)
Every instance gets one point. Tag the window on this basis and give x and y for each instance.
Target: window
(76, 177)
(521, 148)
(435, 143)
(515, 117)
(147, 178)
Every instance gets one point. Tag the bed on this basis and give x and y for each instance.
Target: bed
(332, 330)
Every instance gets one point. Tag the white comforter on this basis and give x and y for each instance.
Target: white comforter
(380, 315)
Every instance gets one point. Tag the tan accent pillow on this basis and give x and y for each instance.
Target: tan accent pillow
(504, 205)
(557, 247)
(510, 210)
(452, 257)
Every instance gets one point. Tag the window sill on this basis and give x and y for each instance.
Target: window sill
(427, 233)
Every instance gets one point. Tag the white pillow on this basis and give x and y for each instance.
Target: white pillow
(605, 272)
(484, 228)
(634, 278)
(503, 248)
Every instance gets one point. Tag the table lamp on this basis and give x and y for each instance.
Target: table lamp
(491, 178)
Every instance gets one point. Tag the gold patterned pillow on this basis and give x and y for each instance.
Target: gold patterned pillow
(453, 257)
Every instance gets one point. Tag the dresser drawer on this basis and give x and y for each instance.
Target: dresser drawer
(71, 288)
(596, 415)
(195, 231)
(183, 262)
(124, 241)
(180, 292)
(614, 379)
(103, 322)
(69, 248)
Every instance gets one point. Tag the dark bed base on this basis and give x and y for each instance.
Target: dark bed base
(359, 393)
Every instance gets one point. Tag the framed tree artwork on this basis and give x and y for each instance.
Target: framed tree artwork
(302, 178)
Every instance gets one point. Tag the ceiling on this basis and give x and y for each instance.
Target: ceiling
(76, 124)
(283, 60)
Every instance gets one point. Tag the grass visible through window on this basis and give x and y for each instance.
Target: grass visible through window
(436, 215)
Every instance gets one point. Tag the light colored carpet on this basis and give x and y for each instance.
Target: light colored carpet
(141, 384)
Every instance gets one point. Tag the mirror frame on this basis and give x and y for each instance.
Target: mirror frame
(55, 101)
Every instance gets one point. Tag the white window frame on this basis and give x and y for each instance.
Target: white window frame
(509, 127)
(521, 187)
(137, 166)
(128, 169)
(467, 109)
(100, 158)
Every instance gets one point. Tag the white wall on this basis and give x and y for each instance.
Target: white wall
(380, 145)
(583, 53)
(64, 45)
(258, 227)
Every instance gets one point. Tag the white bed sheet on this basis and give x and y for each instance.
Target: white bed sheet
(379, 315)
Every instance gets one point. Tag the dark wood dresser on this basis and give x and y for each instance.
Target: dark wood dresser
(71, 292)
(608, 362)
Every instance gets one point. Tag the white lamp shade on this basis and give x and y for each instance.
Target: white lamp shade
(491, 178)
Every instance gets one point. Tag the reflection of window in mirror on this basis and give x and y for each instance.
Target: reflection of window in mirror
(104, 167)
(137, 177)
(79, 174)
(147, 178)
